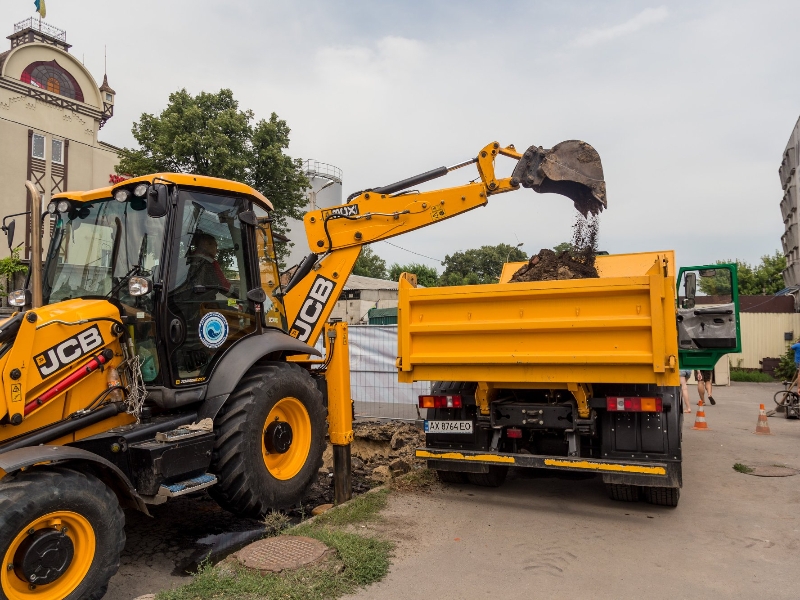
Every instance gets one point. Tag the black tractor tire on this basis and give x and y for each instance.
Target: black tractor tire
(494, 478)
(451, 476)
(26, 497)
(623, 492)
(663, 496)
(246, 486)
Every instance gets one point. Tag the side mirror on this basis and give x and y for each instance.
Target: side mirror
(10, 232)
(691, 290)
(257, 295)
(157, 200)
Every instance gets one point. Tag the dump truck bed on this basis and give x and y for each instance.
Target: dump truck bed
(618, 328)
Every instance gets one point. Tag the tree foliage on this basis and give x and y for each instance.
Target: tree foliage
(209, 135)
(764, 278)
(369, 264)
(562, 247)
(426, 276)
(479, 265)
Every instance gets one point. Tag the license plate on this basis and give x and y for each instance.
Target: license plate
(448, 426)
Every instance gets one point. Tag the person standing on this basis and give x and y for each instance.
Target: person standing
(796, 348)
(704, 381)
(685, 374)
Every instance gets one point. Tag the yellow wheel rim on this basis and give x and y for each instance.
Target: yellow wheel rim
(287, 465)
(80, 531)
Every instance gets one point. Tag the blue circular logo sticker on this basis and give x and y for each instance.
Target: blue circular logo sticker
(213, 330)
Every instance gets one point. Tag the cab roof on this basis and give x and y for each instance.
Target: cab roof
(180, 179)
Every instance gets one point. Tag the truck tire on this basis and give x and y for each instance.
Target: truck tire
(663, 496)
(46, 501)
(256, 467)
(623, 492)
(494, 478)
(452, 476)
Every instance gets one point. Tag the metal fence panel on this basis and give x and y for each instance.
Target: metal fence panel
(373, 375)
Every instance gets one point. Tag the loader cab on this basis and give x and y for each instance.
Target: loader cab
(189, 261)
(707, 315)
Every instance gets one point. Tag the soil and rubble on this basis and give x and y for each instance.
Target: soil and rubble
(576, 263)
(380, 451)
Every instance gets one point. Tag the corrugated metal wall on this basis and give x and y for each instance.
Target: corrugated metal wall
(763, 336)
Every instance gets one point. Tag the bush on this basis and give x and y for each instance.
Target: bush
(750, 376)
(8, 266)
(785, 370)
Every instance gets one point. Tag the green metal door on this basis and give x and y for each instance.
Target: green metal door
(708, 315)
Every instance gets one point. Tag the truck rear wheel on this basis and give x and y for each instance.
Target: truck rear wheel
(61, 534)
(663, 496)
(494, 478)
(270, 439)
(623, 492)
(451, 476)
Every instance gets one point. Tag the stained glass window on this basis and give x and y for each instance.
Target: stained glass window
(58, 152)
(37, 148)
(50, 76)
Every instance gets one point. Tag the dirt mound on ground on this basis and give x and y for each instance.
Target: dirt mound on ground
(575, 263)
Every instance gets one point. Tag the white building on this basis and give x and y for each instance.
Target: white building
(360, 294)
(790, 240)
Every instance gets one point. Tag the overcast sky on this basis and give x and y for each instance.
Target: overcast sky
(690, 104)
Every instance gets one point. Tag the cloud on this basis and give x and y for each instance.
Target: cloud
(649, 16)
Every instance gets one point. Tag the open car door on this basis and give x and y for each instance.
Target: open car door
(708, 315)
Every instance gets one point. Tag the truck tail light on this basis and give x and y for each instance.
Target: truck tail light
(514, 433)
(629, 404)
(440, 402)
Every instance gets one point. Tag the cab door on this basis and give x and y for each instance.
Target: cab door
(708, 315)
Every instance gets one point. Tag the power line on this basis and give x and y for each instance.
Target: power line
(440, 261)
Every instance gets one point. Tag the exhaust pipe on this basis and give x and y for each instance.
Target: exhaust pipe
(36, 245)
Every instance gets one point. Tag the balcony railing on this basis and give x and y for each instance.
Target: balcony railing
(42, 27)
(314, 168)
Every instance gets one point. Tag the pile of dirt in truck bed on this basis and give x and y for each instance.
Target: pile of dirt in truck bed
(380, 451)
(575, 263)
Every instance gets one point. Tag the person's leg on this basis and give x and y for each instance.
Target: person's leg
(687, 407)
(701, 387)
(708, 392)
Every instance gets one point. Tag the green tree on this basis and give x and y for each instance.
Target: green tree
(369, 264)
(209, 135)
(765, 278)
(479, 265)
(562, 247)
(426, 276)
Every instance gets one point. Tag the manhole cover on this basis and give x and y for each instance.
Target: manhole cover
(285, 552)
(773, 471)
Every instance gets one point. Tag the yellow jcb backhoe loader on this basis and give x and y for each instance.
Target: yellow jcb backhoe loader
(156, 354)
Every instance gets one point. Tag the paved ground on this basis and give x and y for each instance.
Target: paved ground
(732, 536)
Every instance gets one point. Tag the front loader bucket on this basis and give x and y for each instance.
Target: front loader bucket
(571, 168)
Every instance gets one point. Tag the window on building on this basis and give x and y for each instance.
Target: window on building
(58, 152)
(109, 97)
(50, 76)
(38, 146)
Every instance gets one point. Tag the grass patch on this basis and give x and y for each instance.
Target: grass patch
(359, 560)
(417, 480)
(740, 468)
(750, 376)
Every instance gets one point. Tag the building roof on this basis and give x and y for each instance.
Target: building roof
(359, 282)
(105, 87)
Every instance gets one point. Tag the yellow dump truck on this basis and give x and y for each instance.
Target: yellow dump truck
(577, 375)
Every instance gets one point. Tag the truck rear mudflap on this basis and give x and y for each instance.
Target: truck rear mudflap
(644, 473)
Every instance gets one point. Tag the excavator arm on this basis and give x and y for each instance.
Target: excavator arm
(337, 234)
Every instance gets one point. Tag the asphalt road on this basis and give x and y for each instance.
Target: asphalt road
(732, 535)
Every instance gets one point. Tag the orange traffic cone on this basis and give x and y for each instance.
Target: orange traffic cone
(762, 426)
(700, 420)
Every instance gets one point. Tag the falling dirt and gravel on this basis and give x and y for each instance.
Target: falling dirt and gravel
(576, 263)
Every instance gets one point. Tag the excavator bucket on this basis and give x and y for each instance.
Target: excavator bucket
(571, 168)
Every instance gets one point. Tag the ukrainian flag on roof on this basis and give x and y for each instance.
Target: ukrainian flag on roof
(40, 7)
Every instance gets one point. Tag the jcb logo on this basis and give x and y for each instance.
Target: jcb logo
(68, 351)
(312, 308)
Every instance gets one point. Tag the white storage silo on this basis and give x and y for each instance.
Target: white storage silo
(325, 191)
